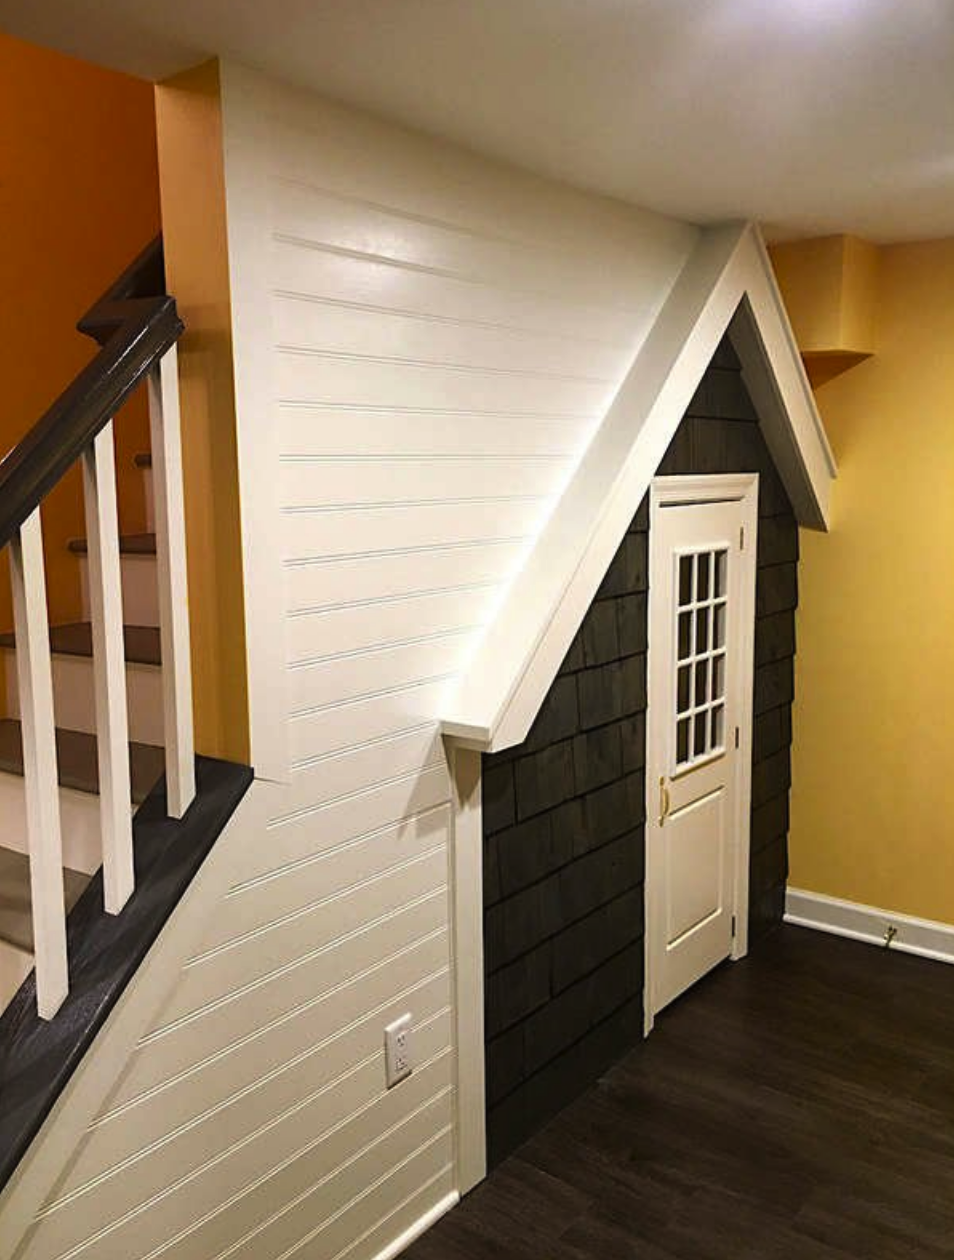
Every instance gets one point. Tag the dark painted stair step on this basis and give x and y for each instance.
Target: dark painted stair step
(129, 545)
(16, 914)
(76, 760)
(76, 639)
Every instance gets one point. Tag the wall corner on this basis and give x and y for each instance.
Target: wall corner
(192, 190)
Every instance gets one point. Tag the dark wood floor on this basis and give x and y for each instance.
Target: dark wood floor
(796, 1106)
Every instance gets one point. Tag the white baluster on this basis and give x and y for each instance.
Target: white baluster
(109, 670)
(35, 678)
(173, 587)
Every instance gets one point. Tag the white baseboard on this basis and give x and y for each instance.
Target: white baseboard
(858, 922)
(420, 1226)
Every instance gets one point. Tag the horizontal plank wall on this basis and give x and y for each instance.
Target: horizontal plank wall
(444, 336)
(423, 343)
(564, 812)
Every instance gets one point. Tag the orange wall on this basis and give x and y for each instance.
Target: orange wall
(79, 197)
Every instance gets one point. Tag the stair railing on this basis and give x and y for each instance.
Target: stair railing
(137, 327)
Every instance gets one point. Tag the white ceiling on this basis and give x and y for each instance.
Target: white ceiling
(812, 116)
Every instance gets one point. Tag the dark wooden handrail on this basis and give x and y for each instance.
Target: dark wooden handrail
(135, 328)
(145, 277)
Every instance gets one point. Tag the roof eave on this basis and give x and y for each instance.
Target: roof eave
(727, 284)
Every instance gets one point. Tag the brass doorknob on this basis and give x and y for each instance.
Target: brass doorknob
(663, 800)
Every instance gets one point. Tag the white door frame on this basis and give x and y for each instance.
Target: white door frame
(671, 491)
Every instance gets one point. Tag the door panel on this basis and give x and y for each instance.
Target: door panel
(695, 867)
(701, 595)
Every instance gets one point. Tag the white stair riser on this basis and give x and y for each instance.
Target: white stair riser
(150, 500)
(140, 590)
(79, 817)
(74, 701)
(15, 966)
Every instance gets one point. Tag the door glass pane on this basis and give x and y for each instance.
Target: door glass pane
(702, 630)
(718, 625)
(701, 656)
(685, 580)
(718, 676)
(720, 582)
(682, 741)
(685, 635)
(702, 577)
(718, 726)
(702, 682)
(682, 689)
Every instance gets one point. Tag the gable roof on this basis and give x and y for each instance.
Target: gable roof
(727, 285)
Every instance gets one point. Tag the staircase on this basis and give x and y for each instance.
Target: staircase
(80, 705)
(74, 704)
(106, 813)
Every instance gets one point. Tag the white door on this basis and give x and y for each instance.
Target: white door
(701, 631)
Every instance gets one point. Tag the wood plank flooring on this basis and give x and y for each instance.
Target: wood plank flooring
(796, 1106)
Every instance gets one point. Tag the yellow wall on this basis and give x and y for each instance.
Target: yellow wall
(830, 286)
(194, 231)
(873, 772)
(830, 290)
(810, 276)
(859, 272)
(79, 198)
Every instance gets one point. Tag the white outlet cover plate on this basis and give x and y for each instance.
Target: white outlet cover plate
(397, 1050)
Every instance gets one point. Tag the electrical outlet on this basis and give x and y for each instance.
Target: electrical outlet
(397, 1050)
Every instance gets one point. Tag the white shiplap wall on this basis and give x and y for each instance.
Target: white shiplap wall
(424, 343)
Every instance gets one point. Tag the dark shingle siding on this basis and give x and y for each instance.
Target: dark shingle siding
(564, 842)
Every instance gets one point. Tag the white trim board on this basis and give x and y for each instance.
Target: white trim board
(420, 1226)
(467, 885)
(858, 922)
(727, 285)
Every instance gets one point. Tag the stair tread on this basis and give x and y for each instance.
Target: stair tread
(76, 639)
(76, 760)
(129, 545)
(16, 913)
(143, 459)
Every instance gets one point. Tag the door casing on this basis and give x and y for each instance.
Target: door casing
(667, 492)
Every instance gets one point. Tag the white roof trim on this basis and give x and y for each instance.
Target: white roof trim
(727, 284)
